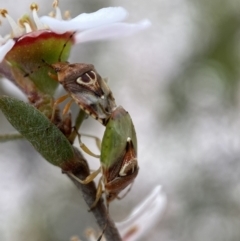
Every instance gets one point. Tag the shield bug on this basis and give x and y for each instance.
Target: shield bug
(119, 165)
(83, 84)
(118, 156)
(118, 153)
(87, 88)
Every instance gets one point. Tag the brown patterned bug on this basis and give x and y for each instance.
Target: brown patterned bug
(87, 88)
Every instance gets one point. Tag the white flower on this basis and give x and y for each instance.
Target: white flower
(144, 216)
(106, 23)
(103, 24)
(142, 219)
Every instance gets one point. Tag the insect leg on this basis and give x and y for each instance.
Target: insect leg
(98, 194)
(97, 140)
(67, 107)
(85, 148)
(100, 237)
(88, 179)
(56, 103)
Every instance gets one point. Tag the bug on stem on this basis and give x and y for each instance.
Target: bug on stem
(84, 85)
(118, 153)
(119, 165)
(87, 88)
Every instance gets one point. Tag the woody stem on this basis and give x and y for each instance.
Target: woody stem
(89, 194)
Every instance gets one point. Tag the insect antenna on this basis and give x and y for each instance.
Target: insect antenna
(37, 68)
(59, 58)
(64, 46)
(46, 63)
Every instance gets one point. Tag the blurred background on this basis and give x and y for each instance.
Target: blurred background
(179, 80)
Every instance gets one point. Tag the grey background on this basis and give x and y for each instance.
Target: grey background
(179, 80)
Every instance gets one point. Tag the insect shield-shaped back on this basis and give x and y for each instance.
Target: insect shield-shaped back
(87, 88)
(119, 153)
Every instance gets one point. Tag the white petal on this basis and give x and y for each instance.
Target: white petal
(144, 216)
(86, 20)
(111, 31)
(5, 48)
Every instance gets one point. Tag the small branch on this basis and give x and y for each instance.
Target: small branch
(89, 194)
(10, 137)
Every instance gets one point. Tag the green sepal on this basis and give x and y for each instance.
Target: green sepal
(118, 129)
(46, 138)
(29, 52)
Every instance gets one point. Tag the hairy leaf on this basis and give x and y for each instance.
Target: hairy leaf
(46, 138)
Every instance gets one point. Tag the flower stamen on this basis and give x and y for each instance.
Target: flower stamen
(34, 9)
(3, 12)
(51, 14)
(26, 24)
(34, 6)
(16, 30)
(55, 3)
(58, 14)
(67, 15)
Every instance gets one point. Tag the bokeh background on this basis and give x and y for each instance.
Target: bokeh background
(179, 80)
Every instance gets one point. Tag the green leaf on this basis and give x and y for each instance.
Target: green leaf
(46, 138)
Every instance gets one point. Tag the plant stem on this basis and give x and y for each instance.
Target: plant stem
(89, 194)
(10, 137)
